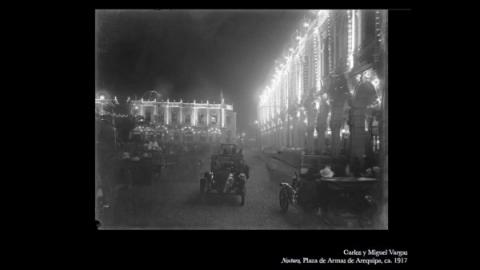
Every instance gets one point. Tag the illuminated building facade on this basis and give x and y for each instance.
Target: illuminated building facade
(328, 91)
(189, 122)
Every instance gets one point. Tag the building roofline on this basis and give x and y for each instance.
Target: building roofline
(200, 104)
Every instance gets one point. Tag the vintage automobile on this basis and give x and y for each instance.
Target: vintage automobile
(224, 176)
(226, 154)
(357, 196)
(223, 183)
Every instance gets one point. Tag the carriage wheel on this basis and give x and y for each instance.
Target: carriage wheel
(284, 200)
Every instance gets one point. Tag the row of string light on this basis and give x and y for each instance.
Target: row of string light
(271, 97)
(276, 94)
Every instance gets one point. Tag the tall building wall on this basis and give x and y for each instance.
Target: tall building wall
(331, 56)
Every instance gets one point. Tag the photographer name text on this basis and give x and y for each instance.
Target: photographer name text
(369, 257)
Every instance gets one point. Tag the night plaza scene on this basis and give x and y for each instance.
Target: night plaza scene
(241, 119)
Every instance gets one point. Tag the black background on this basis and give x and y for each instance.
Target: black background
(72, 202)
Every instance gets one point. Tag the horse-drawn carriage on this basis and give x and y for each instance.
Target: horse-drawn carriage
(355, 197)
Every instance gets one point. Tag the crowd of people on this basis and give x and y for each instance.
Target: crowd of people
(133, 160)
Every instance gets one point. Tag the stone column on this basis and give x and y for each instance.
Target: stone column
(364, 96)
(303, 138)
(293, 135)
(336, 121)
(165, 115)
(234, 124)
(180, 113)
(155, 112)
(194, 117)
(288, 123)
(298, 133)
(208, 115)
(269, 137)
(357, 133)
(222, 115)
(309, 129)
(322, 125)
(337, 96)
(309, 142)
(279, 143)
(194, 114)
(272, 138)
(277, 136)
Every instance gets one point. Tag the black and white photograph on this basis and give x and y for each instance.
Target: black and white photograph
(241, 119)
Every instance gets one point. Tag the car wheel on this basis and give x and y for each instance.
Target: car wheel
(284, 200)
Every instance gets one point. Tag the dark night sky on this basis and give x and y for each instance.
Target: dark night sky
(192, 54)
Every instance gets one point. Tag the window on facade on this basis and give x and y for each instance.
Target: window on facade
(174, 117)
(201, 119)
(213, 119)
(187, 119)
(228, 120)
(148, 114)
